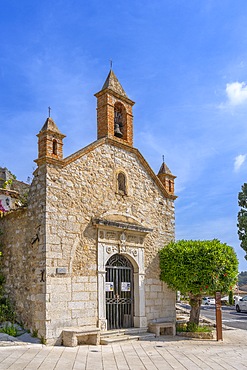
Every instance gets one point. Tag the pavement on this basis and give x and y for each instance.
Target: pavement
(165, 352)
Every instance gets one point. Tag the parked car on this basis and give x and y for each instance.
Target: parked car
(241, 303)
(225, 299)
(208, 300)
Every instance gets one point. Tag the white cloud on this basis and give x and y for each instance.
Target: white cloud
(238, 162)
(236, 93)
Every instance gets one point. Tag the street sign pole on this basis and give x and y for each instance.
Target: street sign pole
(218, 316)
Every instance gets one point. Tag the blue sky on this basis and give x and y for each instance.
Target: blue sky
(184, 63)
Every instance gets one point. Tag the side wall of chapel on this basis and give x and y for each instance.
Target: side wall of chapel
(22, 242)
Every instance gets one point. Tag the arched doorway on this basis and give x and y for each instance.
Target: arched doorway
(119, 292)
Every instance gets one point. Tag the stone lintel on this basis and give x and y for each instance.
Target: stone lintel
(121, 225)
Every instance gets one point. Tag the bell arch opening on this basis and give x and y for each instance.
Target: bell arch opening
(54, 147)
(120, 130)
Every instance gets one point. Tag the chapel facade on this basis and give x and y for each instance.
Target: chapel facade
(83, 252)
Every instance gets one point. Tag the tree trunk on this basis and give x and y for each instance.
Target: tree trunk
(195, 303)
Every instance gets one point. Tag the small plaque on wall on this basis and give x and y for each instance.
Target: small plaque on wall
(109, 286)
(125, 286)
(61, 270)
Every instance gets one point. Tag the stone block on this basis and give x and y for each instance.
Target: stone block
(80, 296)
(57, 314)
(156, 288)
(58, 297)
(77, 305)
(87, 319)
(91, 287)
(152, 295)
(78, 287)
(74, 336)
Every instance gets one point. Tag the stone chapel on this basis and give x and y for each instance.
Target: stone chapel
(83, 250)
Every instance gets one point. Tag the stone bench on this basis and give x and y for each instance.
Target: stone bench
(75, 336)
(157, 328)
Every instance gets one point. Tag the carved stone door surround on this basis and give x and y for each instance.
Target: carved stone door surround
(127, 239)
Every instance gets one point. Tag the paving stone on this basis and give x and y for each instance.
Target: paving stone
(165, 352)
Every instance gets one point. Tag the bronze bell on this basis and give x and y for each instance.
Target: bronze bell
(117, 131)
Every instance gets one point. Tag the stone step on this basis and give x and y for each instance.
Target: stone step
(123, 331)
(114, 338)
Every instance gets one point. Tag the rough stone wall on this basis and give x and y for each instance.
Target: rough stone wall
(23, 260)
(36, 245)
(13, 228)
(84, 189)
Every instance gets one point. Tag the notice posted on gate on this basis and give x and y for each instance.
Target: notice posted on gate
(125, 286)
(109, 286)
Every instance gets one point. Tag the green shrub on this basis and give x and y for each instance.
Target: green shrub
(10, 330)
(192, 327)
(181, 328)
(6, 311)
(230, 299)
(35, 333)
(43, 340)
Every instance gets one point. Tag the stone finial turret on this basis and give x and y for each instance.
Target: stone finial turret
(50, 143)
(167, 178)
(114, 111)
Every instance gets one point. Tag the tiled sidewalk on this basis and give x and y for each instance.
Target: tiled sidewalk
(165, 353)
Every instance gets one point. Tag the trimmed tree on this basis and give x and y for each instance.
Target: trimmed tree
(198, 268)
(242, 218)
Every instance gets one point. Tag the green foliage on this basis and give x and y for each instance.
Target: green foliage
(192, 327)
(2, 281)
(42, 340)
(35, 333)
(181, 327)
(242, 278)
(24, 199)
(6, 310)
(10, 330)
(242, 218)
(198, 267)
(6, 183)
(230, 299)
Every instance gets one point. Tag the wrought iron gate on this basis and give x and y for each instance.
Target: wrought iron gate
(119, 292)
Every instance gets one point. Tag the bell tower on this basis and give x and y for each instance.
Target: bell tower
(50, 143)
(167, 178)
(114, 112)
